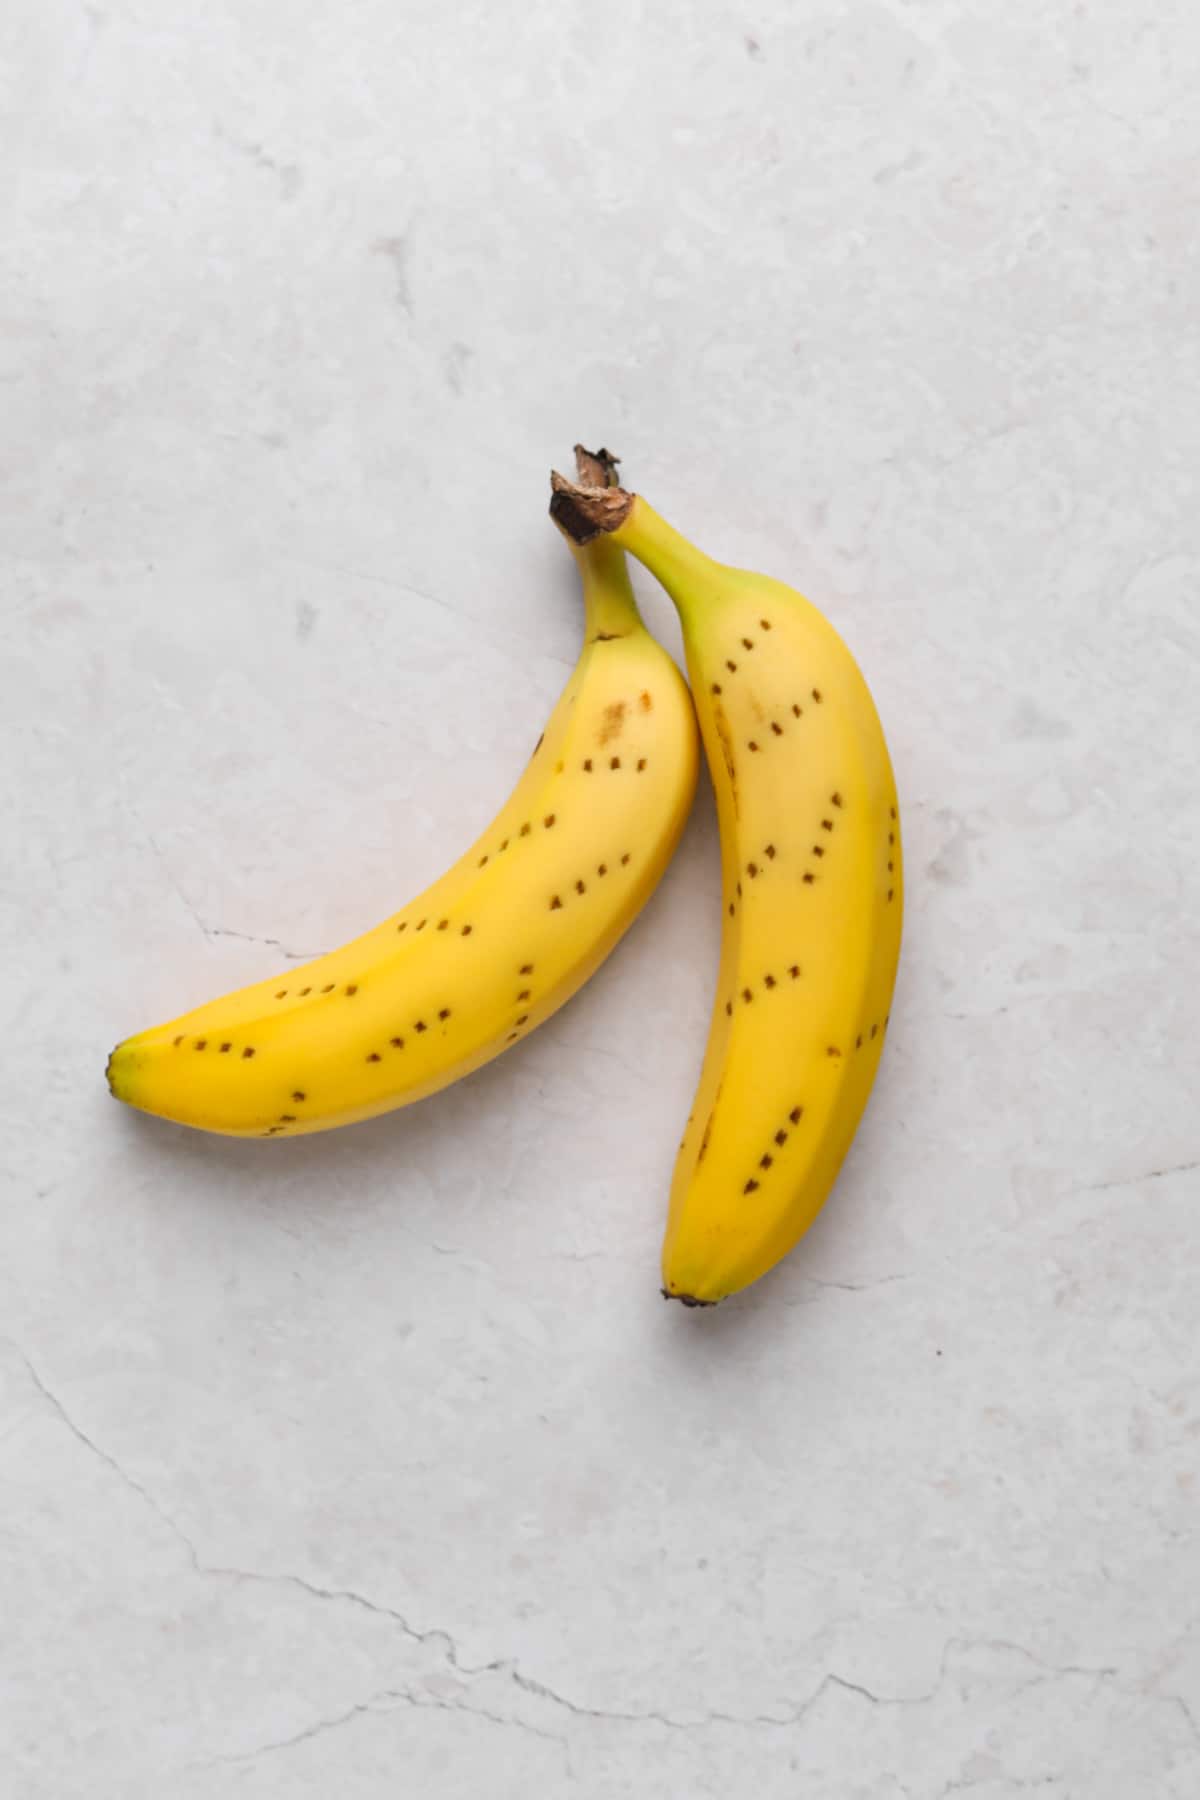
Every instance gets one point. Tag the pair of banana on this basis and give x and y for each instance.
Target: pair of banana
(812, 898)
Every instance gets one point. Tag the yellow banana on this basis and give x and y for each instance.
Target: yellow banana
(487, 953)
(810, 848)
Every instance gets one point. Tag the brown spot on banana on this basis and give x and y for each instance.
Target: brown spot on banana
(613, 723)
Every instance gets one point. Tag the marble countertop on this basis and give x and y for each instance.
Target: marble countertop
(373, 1464)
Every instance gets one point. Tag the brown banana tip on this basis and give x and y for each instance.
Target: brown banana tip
(686, 1299)
(596, 468)
(583, 512)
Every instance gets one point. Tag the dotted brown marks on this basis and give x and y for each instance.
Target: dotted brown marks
(226, 1047)
(867, 1035)
(891, 855)
(614, 762)
(765, 624)
(767, 1158)
(818, 849)
(645, 700)
(769, 981)
(329, 987)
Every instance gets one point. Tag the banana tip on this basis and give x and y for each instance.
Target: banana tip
(686, 1299)
(583, 513)
(112, 1072)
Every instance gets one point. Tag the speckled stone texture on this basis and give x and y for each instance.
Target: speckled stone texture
(374, 1465)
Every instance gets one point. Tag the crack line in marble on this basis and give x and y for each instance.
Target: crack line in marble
(528, 1684)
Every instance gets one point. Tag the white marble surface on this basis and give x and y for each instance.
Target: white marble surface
(374, 1465)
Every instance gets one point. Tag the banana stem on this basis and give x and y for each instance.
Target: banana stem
(592, 516)
(686, 573)
(610, 610)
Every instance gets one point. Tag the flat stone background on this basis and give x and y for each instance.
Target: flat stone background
(373, 1464)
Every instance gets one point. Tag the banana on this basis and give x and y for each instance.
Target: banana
(812, 894)
(492, 949)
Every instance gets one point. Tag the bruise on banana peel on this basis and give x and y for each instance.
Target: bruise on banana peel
(487, 953)
(812, 900)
